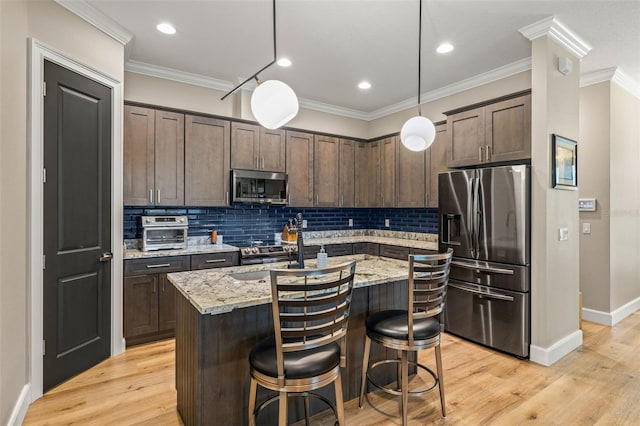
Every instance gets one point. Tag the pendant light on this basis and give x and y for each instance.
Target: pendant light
(418, 132)
(273, 103)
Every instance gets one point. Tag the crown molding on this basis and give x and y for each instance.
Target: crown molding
(176, 75)
(333, 109)
(559, 32)
(469, 83)
(614, 75)
(96, 18)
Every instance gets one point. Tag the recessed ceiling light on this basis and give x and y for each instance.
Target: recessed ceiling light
(364, 85)
(445, 48)
(284, 62)
(166, 28)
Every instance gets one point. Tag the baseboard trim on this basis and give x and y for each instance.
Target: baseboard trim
(611, 318)
(549, 356)
(20, 409)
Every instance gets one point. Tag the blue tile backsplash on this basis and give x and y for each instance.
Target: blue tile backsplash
(239, 223)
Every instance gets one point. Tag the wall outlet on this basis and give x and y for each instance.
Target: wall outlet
(350, 222)
(386, 223)
(304, 223)
(563, 234)
(586, 228)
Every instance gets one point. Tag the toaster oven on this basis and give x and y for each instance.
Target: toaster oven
(164, 232)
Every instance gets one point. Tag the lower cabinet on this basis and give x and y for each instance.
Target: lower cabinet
(367, 248)
(394, 252)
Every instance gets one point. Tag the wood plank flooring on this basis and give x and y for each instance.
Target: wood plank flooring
(598, 384)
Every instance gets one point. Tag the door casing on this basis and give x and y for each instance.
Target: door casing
(38, 52)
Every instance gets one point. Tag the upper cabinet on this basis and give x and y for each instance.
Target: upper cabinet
(492, 133)
(255, 148)
(153, 157)
(347, 173)
(207, 171)
(412, 177)
(326, 171)
(300, 168)
(364, 187)
(388, 172)
(437, 163)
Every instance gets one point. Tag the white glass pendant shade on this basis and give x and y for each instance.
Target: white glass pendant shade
(273, 104)
(417, 133)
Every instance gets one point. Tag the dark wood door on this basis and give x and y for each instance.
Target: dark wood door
(169, 159)
(272, 150)
(411, 175)
(300, 168)
(347, 173)
(388, 171)
(326, 169)
(77, 224)
(438, 161)
(466, 138)
(206, 150)
(138, 157)
(364, 186)
(245, 146)
(508, 130)
(166, 304)
(140, 305)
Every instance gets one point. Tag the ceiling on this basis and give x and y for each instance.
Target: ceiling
(334, 44)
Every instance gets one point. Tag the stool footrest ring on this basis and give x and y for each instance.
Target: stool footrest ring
(397, 392)
(276, 397)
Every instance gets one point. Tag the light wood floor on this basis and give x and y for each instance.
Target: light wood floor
(598, 384)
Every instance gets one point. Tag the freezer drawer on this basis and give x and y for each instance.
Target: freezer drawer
(495, 318)
(491, 274)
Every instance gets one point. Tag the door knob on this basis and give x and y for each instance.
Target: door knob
(106, 256)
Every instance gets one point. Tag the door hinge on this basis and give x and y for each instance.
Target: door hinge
(44, 175)
(44, 347)
(44, 88)
(44, 261)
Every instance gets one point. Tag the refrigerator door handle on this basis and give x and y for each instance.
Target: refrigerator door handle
(482, 293)
(471, 221)
(482, 268)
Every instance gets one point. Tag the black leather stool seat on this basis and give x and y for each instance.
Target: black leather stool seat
(393, 324)
(297, 365)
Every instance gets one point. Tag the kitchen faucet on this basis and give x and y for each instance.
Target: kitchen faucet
(297, 228)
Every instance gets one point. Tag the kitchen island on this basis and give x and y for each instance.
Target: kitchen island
(221, 317)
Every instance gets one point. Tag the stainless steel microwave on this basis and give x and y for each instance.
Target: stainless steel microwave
(251, 186)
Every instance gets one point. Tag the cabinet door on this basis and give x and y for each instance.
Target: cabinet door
(272, 150)
(466, 138)
(169, 159)
(166, 304)
(140, 305)
(438, 162)
(339, 249)
(394, 252)
(388, 171)
(326, 169)
(207, 170)
(347, 173)
(138, 156)
(375, 174)
(363, 187)
(411, 175)
(245, 142)
(300, 168)
(508, 130)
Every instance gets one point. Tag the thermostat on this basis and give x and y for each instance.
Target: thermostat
(587, 205)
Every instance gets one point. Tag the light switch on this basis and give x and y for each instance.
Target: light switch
(386, 223)
(586, 228)
(350, 222)
(563, 234)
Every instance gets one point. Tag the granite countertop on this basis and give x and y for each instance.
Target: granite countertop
(402, 242)
(214, 291)
(134, 253)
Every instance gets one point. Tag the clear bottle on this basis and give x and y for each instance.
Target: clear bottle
(322, 258)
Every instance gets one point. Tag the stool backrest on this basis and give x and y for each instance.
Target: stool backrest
(428, 278)
(311, 308)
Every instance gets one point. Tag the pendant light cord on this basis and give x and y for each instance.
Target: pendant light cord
(275, 52)
(419, 55)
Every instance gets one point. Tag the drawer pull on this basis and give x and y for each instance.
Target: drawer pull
(215, 260)
(159, 265)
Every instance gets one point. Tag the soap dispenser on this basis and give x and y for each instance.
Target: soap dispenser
(322, 258)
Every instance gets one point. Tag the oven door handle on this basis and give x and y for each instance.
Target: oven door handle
(482, 293)
(482, 268)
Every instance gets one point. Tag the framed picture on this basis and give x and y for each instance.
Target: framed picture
(564, 159)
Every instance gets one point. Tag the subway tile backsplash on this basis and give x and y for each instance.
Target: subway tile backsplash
(241, 222)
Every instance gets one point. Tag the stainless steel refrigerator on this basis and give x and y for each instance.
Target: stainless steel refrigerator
(484, 216)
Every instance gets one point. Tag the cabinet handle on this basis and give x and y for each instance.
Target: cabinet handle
(215, 260)
(227, 198)
(488, 152)
(154, 287)
(480, 149)
(158, 197)
(257, 162)
(151, 196)
(159, 265)
(426, 200)
(342, 200)
(317, 199)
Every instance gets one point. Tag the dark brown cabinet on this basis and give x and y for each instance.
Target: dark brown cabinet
(300, 168)
(207, 169)
(388, 171)
(153, 167)
(394, 252)
(368, 174)
(437, 159)
(140, 305)
(496, 132)
(214, 260)
(326, 171)
(166, 304)
(339, 249)
(367, 248)
(255, 148)
(347, 173)
(413, 176)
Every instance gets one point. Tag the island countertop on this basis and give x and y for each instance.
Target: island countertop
(215, 291)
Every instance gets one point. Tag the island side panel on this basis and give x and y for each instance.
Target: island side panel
(187, 368)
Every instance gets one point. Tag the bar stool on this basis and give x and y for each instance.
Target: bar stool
(310, 315)
(396, 329)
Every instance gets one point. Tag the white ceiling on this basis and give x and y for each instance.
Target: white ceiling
(335, 44)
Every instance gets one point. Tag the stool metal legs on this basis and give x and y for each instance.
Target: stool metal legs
(440, 382)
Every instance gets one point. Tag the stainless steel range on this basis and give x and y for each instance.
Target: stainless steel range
(164, 232)
(258, 253)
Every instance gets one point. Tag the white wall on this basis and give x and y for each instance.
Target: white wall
(65, 32)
